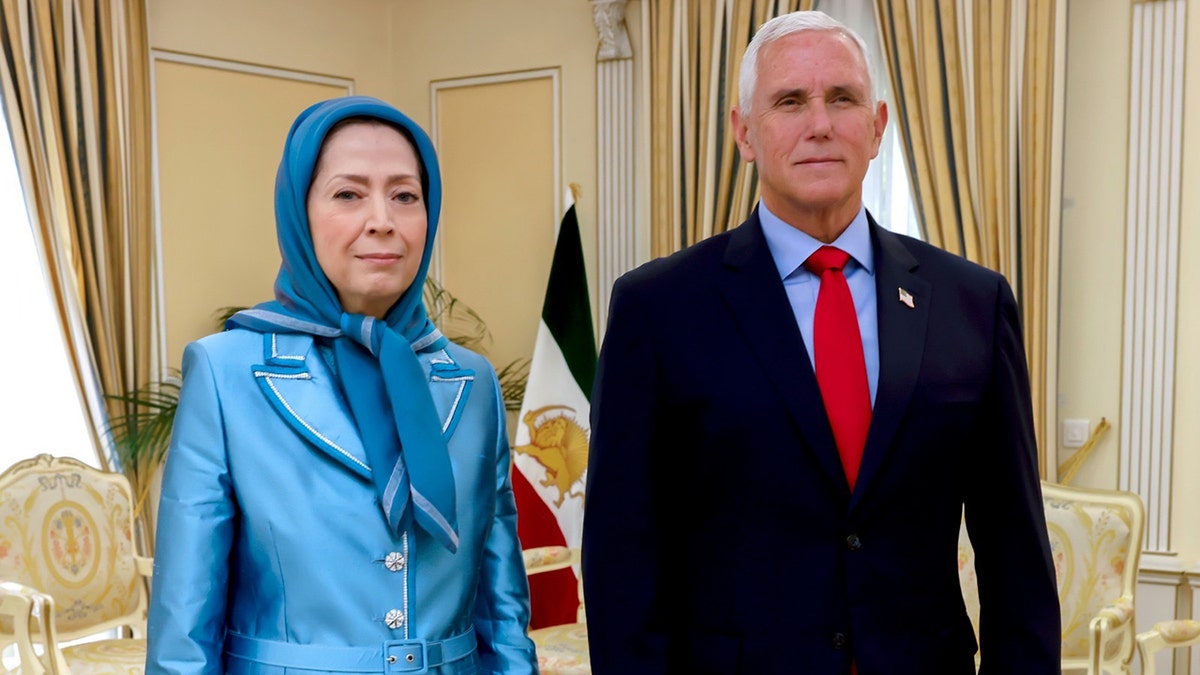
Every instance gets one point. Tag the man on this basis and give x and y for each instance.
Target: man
(781, 457)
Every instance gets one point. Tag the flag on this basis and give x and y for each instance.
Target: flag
(551, 445)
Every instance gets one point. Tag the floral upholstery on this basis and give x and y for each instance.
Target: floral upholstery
(546, 558)
(561, 650)
(1174, 634)
(1095, 541)
(1182, 630)
(66, 540)
(967, 578)
(105, 657)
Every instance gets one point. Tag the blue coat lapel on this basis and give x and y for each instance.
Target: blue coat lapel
(754, 293)
(901, 347)
(450, 385)
(301, 389)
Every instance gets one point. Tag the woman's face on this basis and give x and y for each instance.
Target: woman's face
(366, 213)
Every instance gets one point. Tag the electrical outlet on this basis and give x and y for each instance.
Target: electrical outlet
(1075, 432)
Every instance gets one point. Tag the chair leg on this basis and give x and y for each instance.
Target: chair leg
(1146, 658)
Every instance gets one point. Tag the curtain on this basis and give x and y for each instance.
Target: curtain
(75, 87)
(973, 89)
(699, 184)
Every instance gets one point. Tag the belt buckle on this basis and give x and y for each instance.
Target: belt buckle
(406, 656)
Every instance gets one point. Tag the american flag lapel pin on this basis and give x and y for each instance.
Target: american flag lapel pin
(906, 299)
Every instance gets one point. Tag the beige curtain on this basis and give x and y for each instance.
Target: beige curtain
(973, 90)
(75, 83)
(699, 185)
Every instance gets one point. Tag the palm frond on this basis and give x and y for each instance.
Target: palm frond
(458, 322)
(140, 436)
(514, 377)
(224, 313)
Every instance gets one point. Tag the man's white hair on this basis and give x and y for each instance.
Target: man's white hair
(782, 26)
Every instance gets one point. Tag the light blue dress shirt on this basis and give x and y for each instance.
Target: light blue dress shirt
(790, 248)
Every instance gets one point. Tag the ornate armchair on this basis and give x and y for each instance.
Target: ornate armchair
(68, 569)
(1095, 539)
(562, 650)
(1166, 635)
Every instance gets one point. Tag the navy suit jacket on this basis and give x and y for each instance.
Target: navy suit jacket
(720, 533)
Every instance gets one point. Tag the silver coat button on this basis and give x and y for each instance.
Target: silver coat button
(394, 618)
(394, 561)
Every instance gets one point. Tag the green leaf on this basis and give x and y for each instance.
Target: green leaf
(140, 436)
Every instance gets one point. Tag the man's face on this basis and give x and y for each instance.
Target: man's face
(811, 128)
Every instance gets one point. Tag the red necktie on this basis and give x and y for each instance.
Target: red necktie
(838, 352)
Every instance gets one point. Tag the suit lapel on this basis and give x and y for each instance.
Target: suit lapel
(751, 287)
(301, 389)
(901, 347)
(450, 385)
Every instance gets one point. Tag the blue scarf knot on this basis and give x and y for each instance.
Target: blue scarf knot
(409, 462)
(362, 329)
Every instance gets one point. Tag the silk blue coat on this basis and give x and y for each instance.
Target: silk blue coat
(270, 528)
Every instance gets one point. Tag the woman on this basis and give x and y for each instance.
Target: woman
(337, 495)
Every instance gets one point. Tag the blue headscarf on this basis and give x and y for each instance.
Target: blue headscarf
(376, 360)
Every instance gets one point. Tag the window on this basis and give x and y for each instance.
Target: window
(41, 409)
(886, 190)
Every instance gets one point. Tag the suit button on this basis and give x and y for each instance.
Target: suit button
(853, 543)
(394, 561)
(839, 641)
(394, 619)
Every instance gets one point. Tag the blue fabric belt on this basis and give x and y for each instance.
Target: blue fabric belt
(410, 657)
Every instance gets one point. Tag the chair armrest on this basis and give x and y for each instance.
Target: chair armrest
(32, 613)
(1112, 632)
(1117, 614)
(1177, 633)
(548, 558)
(25, 606)
(144, 565)
(1166, 635)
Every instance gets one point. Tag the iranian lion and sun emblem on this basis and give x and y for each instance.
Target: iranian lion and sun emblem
(560, 445)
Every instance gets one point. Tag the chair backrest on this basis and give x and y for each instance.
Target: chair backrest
(1095, 542)
(66, 529)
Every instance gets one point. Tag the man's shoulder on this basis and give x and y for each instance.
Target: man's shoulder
(940, 263)
(685, 267)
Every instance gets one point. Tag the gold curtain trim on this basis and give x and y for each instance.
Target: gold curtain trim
(981, 181)
(76, 88)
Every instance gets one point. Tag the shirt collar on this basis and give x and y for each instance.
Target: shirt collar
(790, 247)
